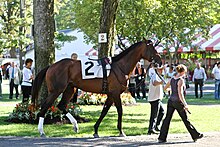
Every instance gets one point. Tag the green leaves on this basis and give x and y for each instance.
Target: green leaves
(135, 19)
(13, 27)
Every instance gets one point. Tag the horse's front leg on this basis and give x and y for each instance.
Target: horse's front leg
(118, 105)
(105, 109)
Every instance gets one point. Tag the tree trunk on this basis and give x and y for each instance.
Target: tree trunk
(12, 52)
(107, 25)
(43, 36)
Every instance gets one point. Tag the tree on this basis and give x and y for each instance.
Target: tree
(13, 26)
(135, 19)
(44, 28)
(83, 15)
(107, 25)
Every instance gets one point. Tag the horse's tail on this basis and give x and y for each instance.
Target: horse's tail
(37, 85)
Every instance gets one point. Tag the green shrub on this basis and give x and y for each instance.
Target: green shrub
(26, 113)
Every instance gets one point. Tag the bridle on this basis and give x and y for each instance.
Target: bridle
(152, 62)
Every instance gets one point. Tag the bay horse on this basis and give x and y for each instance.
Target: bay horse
(65, 75)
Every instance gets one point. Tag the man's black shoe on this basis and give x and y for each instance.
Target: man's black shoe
(199, 137)
(161, 141)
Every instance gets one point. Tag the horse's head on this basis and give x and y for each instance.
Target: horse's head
(150, 52)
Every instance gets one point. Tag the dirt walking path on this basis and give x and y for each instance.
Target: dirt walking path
(174, 140)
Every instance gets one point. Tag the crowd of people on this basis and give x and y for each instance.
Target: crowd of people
(17, 77)
(140, 76)
(171, 80)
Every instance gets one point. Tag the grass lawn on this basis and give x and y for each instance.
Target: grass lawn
(205, 117)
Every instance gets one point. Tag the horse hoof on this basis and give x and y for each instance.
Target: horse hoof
(96, 135)
(122, 135)
(42, 135)
(76, 129)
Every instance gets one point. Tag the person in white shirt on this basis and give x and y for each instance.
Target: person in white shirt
(26, 84)
(14, 79)
(154, 98)
(151, 71)
(216, 74)
(199, 77)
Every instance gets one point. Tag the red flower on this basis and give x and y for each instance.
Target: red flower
(53, 109)
(72, 107)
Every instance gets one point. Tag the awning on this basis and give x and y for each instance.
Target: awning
(200, 44)
(92, 52)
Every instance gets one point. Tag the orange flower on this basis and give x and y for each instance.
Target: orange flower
(31, 108)
(52, 109)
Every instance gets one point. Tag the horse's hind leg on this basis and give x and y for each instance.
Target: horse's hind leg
(118, 105)
(44, 107)
(105, 109)
(67, 95)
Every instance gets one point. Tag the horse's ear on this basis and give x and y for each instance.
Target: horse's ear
(144, 39)
(148, 42)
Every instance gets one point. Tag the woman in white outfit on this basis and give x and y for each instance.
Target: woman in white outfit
(26, 84)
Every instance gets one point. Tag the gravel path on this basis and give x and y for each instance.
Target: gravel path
(174, 140)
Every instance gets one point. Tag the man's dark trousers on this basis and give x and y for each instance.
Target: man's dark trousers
(198, 82)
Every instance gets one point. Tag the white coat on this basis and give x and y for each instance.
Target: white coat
(17, 75)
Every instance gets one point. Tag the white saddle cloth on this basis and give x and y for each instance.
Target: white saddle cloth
(91, 69)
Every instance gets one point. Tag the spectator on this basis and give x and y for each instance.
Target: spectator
(167, 68)
(6, 71)
(132, 84)
(74, 56)
(216, 74)
(151, 71)
(140, 74)
(28, 77)
(14, 79)
(170, 73)
(177, 102)
(199, 77)
(154, 98)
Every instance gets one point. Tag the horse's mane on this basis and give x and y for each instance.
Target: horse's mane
(122, 54)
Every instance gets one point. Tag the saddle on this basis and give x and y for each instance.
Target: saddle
(103, 62)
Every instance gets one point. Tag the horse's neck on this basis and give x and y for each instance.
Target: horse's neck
(129, 61)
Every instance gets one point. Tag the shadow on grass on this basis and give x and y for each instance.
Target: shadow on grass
(5, 98)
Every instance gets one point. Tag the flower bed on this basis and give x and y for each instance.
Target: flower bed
(88, 98)
(26, 113)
